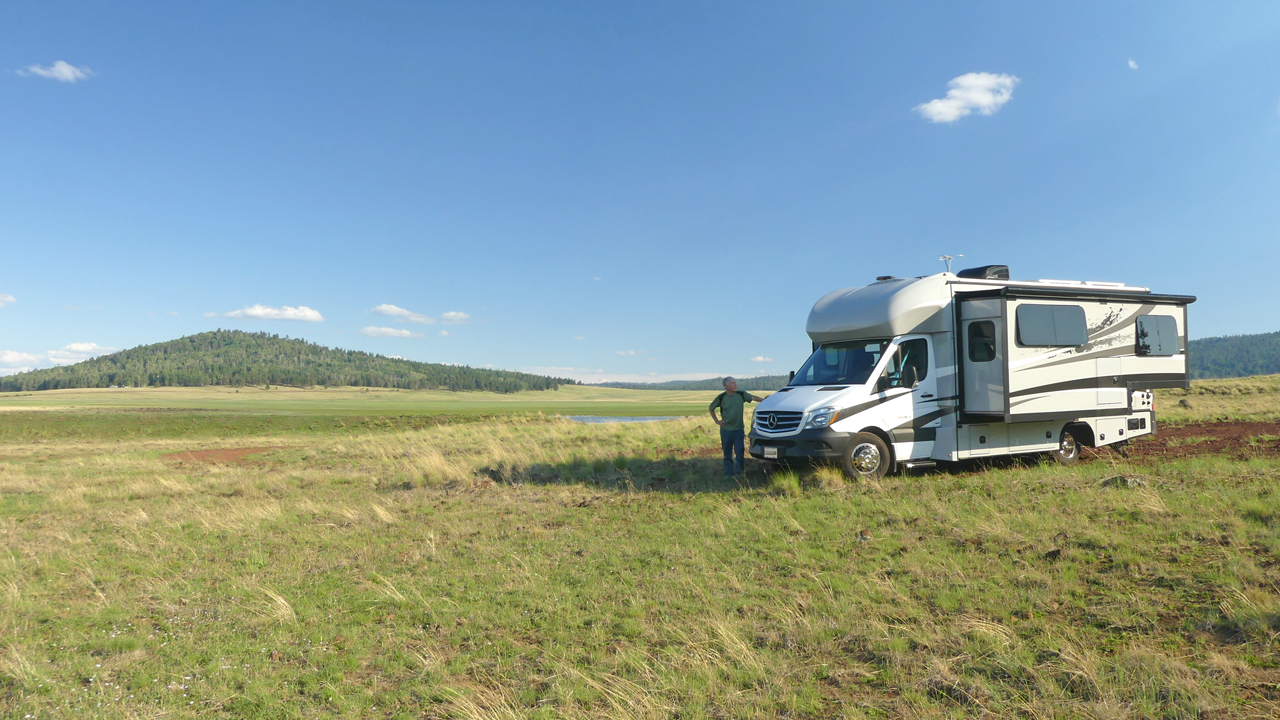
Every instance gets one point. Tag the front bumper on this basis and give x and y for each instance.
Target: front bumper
(824, 444)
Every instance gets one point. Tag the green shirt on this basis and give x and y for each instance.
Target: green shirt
(731, 408)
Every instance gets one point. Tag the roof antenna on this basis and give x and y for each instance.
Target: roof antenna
(947, 259)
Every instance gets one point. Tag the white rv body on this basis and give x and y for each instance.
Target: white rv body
(1003, 367)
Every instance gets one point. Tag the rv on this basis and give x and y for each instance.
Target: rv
(909, 372)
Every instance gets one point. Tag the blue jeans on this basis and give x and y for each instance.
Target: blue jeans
(731, 442)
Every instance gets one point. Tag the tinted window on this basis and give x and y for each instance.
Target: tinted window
(1158, 335)
(843, 363)
(982, 341)
(1051, 326)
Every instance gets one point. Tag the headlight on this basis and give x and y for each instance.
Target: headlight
(821, 418)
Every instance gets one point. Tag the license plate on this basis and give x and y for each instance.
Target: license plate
(771, 452)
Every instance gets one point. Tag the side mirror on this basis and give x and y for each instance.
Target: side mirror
(910, 378)
(791, 377)
(884, 383)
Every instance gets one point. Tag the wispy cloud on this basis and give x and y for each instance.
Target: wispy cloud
(444, 333)
(6, 299)
(60, 70)
(984, 93)
(578, 337)
(1133, 64)
(630, 352)
(386, 332)
(455, 318)
(264, 312)
(211, 314)
(761, 358)
(403, 315)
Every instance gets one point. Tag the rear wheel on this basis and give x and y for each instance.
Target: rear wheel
(867, 458)
(1068, 451)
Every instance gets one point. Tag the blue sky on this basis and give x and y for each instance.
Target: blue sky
(612, 190)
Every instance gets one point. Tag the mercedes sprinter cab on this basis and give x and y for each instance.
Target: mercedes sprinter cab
(907, 372)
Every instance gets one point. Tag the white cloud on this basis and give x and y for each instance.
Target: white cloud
(761, 358)
(16, 362)
(76, 352)
(13, 357)
(61, 71)
(578, 337)
(211, 314)
(455, 318)
(403, 315)
(263, 312)
(171, 312)
(386, 332)
(1133, 64)
(6, 299)
(444, 333)
(596, 279)
(630, 352)
(984, 93)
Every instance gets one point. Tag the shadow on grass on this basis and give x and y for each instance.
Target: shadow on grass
(703, 472)
(623, 473)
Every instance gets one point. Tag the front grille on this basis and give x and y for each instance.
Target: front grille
(782, 421)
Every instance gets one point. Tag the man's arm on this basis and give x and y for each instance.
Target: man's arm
(712, 409)
(755, 398)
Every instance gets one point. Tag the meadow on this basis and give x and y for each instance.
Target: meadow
(389, 554)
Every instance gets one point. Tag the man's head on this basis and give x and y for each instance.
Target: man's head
(730, 384)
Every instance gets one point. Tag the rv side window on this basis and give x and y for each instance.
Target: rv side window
(1158, 335)
(1051, 326)
(982, 341)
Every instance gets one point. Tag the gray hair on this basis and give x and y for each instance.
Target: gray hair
(728, 379)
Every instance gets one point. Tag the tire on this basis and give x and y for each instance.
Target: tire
(867, 457)
(1068, 452)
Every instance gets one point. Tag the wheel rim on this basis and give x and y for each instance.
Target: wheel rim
(1067, 448)
(866, 458)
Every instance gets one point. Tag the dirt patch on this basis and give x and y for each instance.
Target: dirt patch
(1233, 439)
(223, 455)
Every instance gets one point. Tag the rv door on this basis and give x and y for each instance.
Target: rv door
(981, 330)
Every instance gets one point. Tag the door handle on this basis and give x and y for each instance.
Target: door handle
(925, 396)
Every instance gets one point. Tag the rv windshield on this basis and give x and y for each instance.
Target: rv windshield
(842, 363)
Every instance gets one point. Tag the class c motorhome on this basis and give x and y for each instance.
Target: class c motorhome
(907, 372)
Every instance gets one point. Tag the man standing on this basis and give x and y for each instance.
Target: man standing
(732, 433)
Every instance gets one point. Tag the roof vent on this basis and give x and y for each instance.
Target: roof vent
(986, 272)
(882, 278)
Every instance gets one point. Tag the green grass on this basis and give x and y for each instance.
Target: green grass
(523, 566)
(1252, 398)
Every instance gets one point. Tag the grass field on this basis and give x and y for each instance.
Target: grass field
(447, 563)
(568, 400)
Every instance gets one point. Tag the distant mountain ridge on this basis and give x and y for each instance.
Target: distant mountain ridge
(750, 384)
(237, 358)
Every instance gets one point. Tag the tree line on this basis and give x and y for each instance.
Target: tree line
(1235, 356)
(236, 358)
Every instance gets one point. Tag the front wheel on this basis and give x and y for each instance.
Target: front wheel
(1068, 451)
(867, 458)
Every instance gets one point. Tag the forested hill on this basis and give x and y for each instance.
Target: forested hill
(1235, 356)
(232, 357)
(751, 384)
